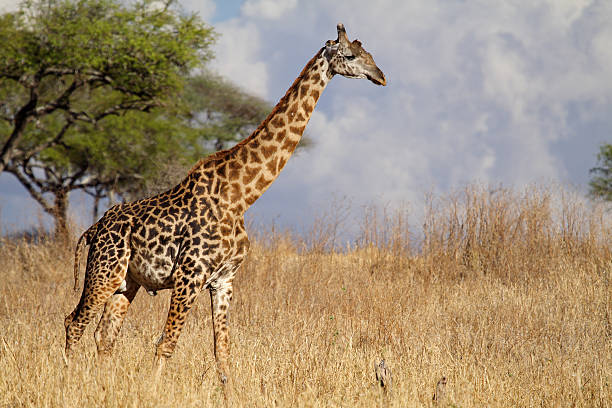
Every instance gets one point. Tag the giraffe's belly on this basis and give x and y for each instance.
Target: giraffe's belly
(152, 271)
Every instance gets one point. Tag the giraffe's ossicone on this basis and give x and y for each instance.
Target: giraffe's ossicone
(192, 237)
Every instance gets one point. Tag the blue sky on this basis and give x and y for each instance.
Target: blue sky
(508, 92)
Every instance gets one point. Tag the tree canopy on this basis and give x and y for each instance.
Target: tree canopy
(98, 95)
(56, 53)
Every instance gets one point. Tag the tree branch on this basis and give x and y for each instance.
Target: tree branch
(62, 101)
(37, 195)
(29, 111)
(129, 105)
(94, 76)
(23, 116)
(50, 143)
(79, 173)
(45, 185)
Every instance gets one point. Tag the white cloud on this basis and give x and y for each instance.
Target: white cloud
(204, 8)
(238, 56)
(268, 9)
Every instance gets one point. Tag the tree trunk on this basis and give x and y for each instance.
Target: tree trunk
(96, 208)
(60, 213)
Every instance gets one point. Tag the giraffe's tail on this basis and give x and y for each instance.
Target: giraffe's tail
(84, 240)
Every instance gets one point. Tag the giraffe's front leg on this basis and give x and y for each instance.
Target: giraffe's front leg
(184, 294)
(220, 298)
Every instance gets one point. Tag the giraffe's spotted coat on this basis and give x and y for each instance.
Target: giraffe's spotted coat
(192, 237)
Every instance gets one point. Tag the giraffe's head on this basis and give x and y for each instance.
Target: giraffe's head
(349, 59)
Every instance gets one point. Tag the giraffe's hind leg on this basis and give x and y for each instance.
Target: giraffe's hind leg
(115, 310)
(103, 277)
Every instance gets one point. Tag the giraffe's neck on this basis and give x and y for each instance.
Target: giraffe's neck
(243, 173)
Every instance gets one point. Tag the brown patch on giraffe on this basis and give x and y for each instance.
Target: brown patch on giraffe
(300, 117)
(234, 174)
(224, 193)
(278, 122)
(292, 110)
(255, 157)
(315, 77)
(315, 94)
(289, 145)
(281, 135)
(249, 174)
(244, 242)
(244, 155)
(248, 190)
(271, 165)
(225, 244)
(298, 130)
(250, 199)
(266, 135)
(269, 150)
(222, 170)
(307, 107)
(281, 163)
(262, 183)
(235, 191)
(304, 88)
(253, 144)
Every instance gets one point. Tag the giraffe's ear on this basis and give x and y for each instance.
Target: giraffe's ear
(331, 48)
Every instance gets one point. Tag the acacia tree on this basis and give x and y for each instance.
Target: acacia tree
(601, 183)
(69, 69)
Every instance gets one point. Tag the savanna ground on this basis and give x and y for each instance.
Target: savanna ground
(505, 293)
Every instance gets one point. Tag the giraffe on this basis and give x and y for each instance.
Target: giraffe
(192, 237)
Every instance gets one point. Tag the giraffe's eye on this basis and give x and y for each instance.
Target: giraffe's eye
(350, 57)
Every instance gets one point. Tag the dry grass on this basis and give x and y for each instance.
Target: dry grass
(508, 297)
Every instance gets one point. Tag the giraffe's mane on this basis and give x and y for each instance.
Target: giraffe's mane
(224, 153)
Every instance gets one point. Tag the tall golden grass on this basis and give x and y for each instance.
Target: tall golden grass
(505, 293)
